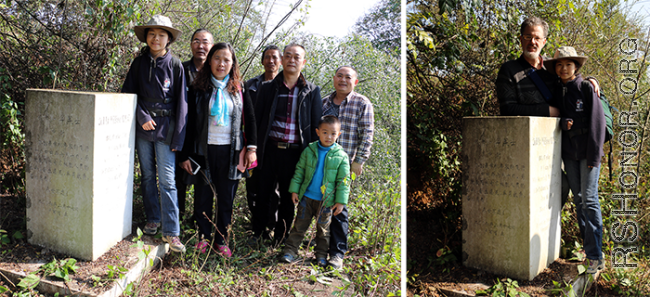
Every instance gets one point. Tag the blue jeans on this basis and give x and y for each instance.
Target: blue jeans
(152, 154)
(584, 185)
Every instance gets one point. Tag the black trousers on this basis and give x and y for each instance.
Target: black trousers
(252, 188)
(276, 172)
(218, 159)
(339, 234)
(181, 189)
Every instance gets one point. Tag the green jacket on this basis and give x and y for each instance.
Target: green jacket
(335, 178)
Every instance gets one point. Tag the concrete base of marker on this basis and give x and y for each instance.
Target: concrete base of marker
(135, 274)
(511, 194)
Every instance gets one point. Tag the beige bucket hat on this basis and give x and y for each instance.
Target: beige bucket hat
(565, 52)
(157, 21)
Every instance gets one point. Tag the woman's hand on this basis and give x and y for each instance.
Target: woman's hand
(187, 166)
(250, 157)
(148, 126)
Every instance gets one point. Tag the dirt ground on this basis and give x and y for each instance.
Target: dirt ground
(430, 228)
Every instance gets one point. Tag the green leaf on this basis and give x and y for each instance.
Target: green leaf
(29, 282)
(582, 269)
(3, 289)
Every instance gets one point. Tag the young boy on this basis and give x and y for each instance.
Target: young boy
(320, 184)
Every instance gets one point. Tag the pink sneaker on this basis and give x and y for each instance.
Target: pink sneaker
(202, 245)
(224, 250)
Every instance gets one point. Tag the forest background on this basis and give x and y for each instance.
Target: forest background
(89, 45)
(454, 51)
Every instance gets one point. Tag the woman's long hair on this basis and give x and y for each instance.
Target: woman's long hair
(202, 81)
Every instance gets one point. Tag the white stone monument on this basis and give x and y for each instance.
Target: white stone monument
(511, 194)
(79, 170)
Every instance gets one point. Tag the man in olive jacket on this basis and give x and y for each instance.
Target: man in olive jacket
(287, 112)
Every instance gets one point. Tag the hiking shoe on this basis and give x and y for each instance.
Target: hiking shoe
(151, 228)
(202, 245)
(224, 250)
(174, 243)
(322, 262)
(287, 258)
(336, 262)
(595, 265)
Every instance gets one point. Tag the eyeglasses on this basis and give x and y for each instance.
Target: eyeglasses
(197, 42)
(529, 38)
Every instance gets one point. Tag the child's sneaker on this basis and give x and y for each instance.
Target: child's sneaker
(224, 250)
(174, 243)
(151, 228)
(287, 258)
(322, 262)
(595, 265)
(336, 262)
(202, 245)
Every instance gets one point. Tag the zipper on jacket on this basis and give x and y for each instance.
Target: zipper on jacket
(151, 66)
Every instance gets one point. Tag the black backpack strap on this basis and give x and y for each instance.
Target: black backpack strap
(136, 70)
(541, 86)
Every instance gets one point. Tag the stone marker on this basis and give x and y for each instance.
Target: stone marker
(511, 194)
(79, 151)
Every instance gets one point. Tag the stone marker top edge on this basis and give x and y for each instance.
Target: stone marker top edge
(507, 117)
(77, 92)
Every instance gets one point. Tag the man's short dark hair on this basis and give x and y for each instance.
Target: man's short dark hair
(271, 47)
(347, 66)
(329, 119)
(200, 30)
(532, 22)
(293, 45)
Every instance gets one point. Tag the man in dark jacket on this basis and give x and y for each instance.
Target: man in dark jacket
(271, 58)
(287, 112)
(517, 91)
(201, 43)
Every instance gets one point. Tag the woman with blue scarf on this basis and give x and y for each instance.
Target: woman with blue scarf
(221, 138)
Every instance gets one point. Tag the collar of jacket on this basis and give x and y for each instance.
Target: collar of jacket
(153, 63)
(279, 80)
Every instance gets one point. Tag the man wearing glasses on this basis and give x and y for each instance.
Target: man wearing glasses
(201, 43)
(524, 86)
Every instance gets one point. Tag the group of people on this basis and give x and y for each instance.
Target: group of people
(533, 86)
(199, 123)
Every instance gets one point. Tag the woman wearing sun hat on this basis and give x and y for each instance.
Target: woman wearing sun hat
(161, 114)
(583, 135)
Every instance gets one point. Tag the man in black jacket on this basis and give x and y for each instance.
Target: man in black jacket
(287, 112)
(517, 91)
(201, 43)
(271, 58)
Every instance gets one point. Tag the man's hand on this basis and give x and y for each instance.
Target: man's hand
(553, 111)
(356, 168)
(294, 197)
(596, 86)
(337, 209)
(186, 166)
(569, 123)
(148, 126)
(250, 157)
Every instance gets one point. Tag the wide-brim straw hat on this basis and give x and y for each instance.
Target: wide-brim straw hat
(565, 52)
(157, 21)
